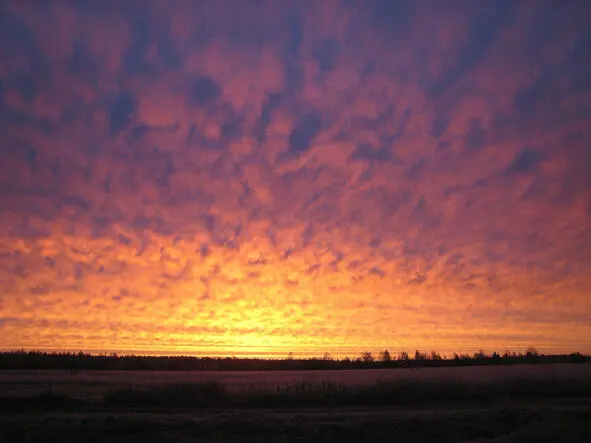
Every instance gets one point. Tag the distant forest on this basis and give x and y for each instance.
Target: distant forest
(14, 360)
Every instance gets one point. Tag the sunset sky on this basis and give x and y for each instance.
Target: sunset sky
(255, 177)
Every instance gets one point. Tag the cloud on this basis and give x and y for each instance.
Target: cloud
(525, 161)
(303, 133)
(203, 91)
(119, 111)
(309, 176)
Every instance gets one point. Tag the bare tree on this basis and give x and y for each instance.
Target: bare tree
(531, 351)
(367, 357)
(385, 356)
(420, 355)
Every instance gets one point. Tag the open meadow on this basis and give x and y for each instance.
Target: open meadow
(94, 384)
(479, 403)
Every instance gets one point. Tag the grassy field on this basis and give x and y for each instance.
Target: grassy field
(521, 403)
(94, 384)
(555, 422)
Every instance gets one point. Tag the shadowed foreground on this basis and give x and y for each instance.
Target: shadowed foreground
(552, 422)
(538, 403)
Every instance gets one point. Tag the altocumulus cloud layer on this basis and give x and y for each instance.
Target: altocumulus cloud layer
(275, 176)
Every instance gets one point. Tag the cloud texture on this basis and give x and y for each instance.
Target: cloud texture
(243, 177)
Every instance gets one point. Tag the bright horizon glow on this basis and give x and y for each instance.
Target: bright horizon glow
(269, 354)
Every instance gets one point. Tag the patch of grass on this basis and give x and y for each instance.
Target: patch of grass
(316, 394)
(185, 395)
(304, 394)
(539, 423)
(45, 401)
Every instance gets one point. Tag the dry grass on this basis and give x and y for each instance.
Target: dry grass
(474, 404)
(542, 422)
(417, 391)
(94, 384)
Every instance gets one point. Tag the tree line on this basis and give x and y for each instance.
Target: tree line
(85, 361)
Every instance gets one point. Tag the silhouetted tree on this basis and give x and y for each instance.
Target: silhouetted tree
(531, 351)
(367, 357)
(385, 356)
(82, 361)
(420, 356)
(480, 355)
(577, 357)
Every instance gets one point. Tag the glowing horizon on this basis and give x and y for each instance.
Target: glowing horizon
(336, 176)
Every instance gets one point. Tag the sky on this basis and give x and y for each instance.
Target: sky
(256, 177)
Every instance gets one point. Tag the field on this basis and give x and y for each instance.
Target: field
(478, 403)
